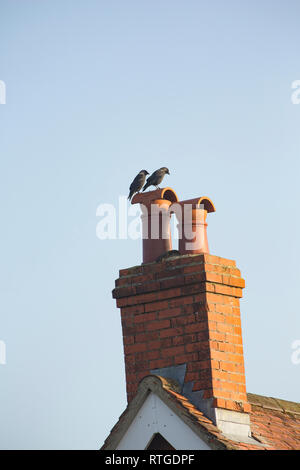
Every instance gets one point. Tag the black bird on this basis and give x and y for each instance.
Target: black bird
(156, 178)
(137, 183)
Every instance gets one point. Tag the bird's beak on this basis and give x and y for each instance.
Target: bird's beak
(168, 172)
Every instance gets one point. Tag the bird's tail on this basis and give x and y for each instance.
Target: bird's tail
(146, 186)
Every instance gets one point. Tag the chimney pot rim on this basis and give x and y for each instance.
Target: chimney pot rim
(150, 197)
(198, 201)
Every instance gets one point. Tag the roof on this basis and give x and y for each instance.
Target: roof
(275, 423)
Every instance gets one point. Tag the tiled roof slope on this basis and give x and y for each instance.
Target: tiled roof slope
(275, 423)
(216, 437)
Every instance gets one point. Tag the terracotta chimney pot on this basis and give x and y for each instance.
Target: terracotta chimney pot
(156, 215)
(192, 225)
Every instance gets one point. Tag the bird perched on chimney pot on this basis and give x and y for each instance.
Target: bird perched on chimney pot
(137, 183)
(156, 178)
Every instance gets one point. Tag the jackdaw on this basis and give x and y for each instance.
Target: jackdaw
(137, 183)
(156, 178)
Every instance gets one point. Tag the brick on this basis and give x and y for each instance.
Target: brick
(234, 339)
(132, 330)
(171, 332)
(131, 378)
(194, 366)
(219, 403)
(203, 355)
(218, 299)
(228, 366)
(158, 325)
(187, 339)
(141, 366)
(122, 302)
(144, 337)
(145, 317)
(194, 277)
(199, 366)
(225, 328)
(181, 301)
(227, 347)
(240, 379)
(131, 271)
(186, 358)
(137, 279)
(188, 309)
(136, 309)
(143, 288)
(237, 359)
(167, 273)
(199, 346)
(240, 368)
(216, 317)
(173, 282)
(157, 306)
(228, 290)
(203, 335)
(194, 327)
(120, 292)
(183, 320)
(171, 312)
(193, 288)
(129, 349)
(166, 343)
(174, 351)
(218, 355)
(225, 309)
(217, 336)
(152, 354)
(233, 320)
(214, 277)
(233, 281)
(232, 405)
(194, 268)
(169, 293)
(201, 298)
(236, 311)
(220, 375)
(212, 259)
(178, 340)
(215, 364)
(154, 344)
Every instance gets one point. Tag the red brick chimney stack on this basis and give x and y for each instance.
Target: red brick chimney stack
(181, 319)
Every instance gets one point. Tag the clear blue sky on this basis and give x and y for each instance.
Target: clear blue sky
(96, 91)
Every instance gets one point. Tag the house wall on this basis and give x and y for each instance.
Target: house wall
(153, 417)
